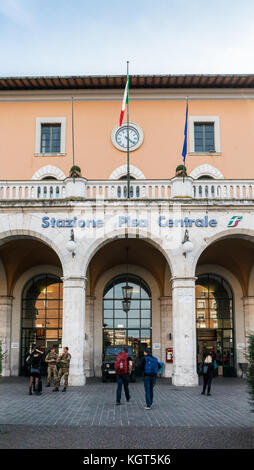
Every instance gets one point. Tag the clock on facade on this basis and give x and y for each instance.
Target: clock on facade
(119, 136)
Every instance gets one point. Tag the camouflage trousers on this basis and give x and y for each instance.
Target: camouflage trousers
(65, 373)
(52, 370)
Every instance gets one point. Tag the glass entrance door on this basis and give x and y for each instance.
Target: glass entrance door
(134, 327)
(41, 315)
(214, 319)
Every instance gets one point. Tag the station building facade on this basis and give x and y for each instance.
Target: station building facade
(69, 245)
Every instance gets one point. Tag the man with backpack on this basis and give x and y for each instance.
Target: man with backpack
(149, 366)
(123, 368)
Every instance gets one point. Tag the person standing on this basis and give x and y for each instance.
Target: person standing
(149, 366)
(64, 360)
(51, 359)
(123, 368)
(34, 361)
(208, 369)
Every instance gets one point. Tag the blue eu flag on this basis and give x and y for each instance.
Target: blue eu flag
(185, 134)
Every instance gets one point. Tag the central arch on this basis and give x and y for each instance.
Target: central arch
(106, 321)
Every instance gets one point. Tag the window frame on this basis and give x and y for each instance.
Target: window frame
(215, 120)
(126, 330)
(51, 120)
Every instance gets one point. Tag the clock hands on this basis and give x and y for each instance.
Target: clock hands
(134, 143)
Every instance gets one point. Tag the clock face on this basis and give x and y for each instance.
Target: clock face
(119, 137)
(122, 137)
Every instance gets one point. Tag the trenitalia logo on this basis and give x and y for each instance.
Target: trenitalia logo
(234, 221)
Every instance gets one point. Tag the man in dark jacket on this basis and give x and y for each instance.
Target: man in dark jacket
(149, 366)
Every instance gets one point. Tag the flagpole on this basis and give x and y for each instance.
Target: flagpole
(185, 135)
(128, 143)
(72, 126)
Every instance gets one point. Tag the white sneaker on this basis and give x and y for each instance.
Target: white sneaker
(147, 407)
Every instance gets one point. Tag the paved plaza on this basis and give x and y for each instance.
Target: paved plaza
(87, 417)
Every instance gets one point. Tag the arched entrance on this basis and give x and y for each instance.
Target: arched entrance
(215, 322)
(231, 257)
(41, 318)
(106, 320)
(22, 257)
(132, 328)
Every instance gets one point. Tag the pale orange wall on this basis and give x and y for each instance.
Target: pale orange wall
(161, 121)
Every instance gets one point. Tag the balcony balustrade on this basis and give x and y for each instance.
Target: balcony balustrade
(81, 189)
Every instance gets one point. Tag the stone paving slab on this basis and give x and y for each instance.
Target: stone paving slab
(94, 405)
(103, 437)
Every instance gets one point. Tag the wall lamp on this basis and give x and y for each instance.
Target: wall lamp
(71, 245)
(187, 244)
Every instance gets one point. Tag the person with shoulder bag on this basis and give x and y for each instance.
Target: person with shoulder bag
(34, 361)
(149, 366)
(208, 371)
(123, 368)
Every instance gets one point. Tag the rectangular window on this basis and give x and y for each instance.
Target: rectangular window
(204, 137)
(50, 138)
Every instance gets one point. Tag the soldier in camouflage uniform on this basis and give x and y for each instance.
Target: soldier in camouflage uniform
(64, 360)
(51, 359)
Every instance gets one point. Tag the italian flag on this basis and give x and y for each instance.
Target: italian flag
(125, 100)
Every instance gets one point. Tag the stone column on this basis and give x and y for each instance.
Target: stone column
(74, 326)
(166, 329)
(248, 306)
(5, 332)
(184, 331)
(90, 335)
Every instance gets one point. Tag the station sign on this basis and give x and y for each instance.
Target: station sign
(127, 221)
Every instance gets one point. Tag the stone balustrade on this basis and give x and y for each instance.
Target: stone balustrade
(117, 189)
(223, 189)
(27, 190)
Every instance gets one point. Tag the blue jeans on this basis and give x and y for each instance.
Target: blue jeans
(122, 380)
(149, 382)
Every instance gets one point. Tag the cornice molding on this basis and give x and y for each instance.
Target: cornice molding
(135, 95)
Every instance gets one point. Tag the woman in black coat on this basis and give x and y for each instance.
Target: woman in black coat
(208, 372)
(34, 361)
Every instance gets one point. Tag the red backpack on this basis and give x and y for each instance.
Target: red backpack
(121, 366)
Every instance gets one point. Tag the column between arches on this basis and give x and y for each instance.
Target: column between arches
(184, 331)
(5, 329)
(74, 326)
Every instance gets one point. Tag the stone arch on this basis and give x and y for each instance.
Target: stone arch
(49, 170)
(54, 243)
(99, 243)
(208, 241)
(122, 170)
(206, 169)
